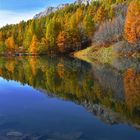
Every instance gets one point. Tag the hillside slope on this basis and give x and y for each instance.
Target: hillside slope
(68, 28)
(118, 37)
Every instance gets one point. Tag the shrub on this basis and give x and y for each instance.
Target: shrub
(110, 31)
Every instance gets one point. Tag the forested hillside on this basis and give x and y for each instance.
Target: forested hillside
(68, 29)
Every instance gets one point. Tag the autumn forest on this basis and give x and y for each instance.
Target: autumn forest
(70, 72)
(73, 28)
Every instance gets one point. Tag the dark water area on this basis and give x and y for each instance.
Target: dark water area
(61, 98)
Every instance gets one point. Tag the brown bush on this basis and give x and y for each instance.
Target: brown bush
(110, 31)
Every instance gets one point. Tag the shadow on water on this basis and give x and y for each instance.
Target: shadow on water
(111, 93)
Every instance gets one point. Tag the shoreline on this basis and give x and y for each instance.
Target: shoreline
(106, 54)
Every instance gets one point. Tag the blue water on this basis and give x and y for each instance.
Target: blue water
(27, 110)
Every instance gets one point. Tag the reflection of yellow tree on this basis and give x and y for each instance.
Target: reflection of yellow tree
(33, 63)
(1, 71)
(60, 68)
(132, 89)
(10, 65)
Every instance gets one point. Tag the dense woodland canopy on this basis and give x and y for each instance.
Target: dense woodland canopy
(74, 27)
(63, 31)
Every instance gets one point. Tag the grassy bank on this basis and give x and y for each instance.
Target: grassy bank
(103, 54)
(109, 53)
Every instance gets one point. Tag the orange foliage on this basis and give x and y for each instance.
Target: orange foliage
(33, 64)
(60, 70)
(0, 36)
(33, 45)
(10, 43)
(61, 42)
(100, 15)
(132, 88)
(132, 24)
(10, 66)
(1, 72)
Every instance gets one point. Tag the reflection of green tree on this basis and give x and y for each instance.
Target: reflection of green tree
(65, 78)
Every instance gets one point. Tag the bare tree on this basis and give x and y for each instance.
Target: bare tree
(110, 31)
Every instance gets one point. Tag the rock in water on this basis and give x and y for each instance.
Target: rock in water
(14, 134)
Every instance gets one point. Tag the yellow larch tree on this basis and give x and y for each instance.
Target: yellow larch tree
(132, 24)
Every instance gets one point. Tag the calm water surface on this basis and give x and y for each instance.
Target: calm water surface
(61, 98)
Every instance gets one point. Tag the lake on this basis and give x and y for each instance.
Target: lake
(62, 98)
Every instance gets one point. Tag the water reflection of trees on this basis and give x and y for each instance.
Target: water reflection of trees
(77, 81)
(132, 89)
